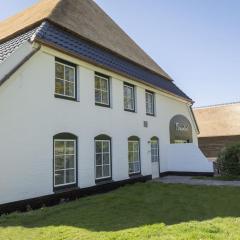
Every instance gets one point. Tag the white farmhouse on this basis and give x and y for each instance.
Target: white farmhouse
(84, 109)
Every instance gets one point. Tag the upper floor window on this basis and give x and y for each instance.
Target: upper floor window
(103, 157)
(102, 90)
(149, 103)
(129, 97)
(65, 160)
(134, 166)
(65, 79)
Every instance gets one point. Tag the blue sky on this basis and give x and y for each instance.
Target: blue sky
(196, 42)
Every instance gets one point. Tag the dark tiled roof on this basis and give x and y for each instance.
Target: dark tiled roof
(56, 36)
(10, 46)
(52, 34)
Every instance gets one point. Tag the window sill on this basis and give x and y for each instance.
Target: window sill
(66, 188)
(151, 115)
(102, 105)
(135, 175)
(103, 181)
(128, 110)
(65, 98)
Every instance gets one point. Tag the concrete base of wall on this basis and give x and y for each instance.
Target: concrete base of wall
(67, 195)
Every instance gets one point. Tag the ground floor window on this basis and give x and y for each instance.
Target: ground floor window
(154, 150)
(103, 157)
(65, 156)
(133, 156)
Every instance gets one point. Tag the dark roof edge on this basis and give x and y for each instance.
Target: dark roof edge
(108, 68)
(13, 70)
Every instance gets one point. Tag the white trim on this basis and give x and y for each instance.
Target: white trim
(65, 169)
(134, 162)
(102, 91)
(64, 80)
(102, 165)
(152, 103)
(132, 98)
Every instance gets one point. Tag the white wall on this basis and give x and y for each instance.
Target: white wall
(187, 158)
(30, 116)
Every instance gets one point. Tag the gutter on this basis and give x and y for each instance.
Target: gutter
(24, 60)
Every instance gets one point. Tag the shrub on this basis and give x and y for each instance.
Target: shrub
(229, 160)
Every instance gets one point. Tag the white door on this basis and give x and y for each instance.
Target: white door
(155, 158)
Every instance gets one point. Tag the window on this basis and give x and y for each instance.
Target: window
(133, 156)
(102, 90)
(149, 103)
(65, 79)
(154, 150)
(103, 157)
(129, 97)
(65, 155)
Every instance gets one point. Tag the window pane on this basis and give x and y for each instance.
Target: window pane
(59, 70)
(59, 177)
(105, 97)
(130, 146)
(136, 167)
(70, 145)
(106, 158)
(106, 146)
(131, 169)
(59, 162)
(104, 85)
(59, 86)
(70, 176)
(69, 74)
(135, 146)
(99, 159)
(97, 83)
(106, 171)
(70, 161)
(98, 172)
(130, 157)
(135, 156)
(59, 147)
(98, 97)
(69, 89)
(98, 146)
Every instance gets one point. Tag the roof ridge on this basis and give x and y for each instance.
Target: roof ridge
(217, 105)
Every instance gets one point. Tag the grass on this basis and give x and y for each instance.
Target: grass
(220, 178)
(141, 211)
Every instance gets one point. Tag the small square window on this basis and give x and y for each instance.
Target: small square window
(129, 97)
(102, 90)
(150, 103)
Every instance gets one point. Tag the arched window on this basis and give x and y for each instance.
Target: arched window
(134, 163)
(65, 160)
(154, 149)
(180, 130)
(103, 158)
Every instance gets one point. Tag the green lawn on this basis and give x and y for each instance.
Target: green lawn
(141, 211)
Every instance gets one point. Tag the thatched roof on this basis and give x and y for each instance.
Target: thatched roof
(82, 17)
(219, 120)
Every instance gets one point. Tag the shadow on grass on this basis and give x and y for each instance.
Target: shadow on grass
(134, 206)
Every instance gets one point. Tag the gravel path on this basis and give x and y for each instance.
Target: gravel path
(191, 181)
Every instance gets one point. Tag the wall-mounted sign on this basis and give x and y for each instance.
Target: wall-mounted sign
(180, 130)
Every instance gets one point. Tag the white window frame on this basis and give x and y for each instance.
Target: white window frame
(101, 90)
(65, 169)
(139, 161)
(152, 103)
(64, 80)
(110, 160)
(155, 157)
(132, 98)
